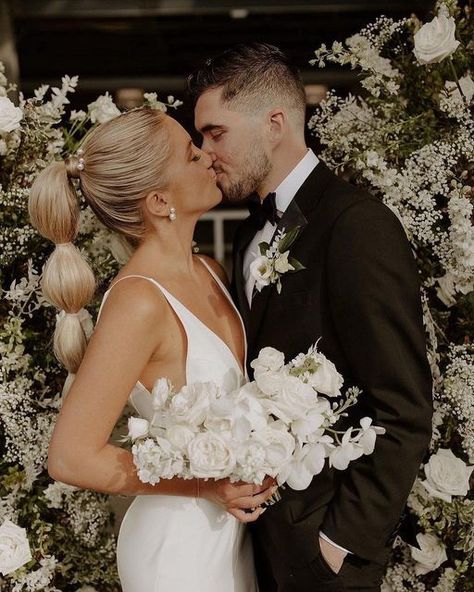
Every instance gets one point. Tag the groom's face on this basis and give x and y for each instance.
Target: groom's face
(235, 140)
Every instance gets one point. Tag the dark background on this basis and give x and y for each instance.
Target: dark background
(152, 45)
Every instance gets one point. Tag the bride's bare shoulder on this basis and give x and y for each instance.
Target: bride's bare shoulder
(134, 297)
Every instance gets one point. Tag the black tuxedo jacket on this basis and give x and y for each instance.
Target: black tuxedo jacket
(359, 293)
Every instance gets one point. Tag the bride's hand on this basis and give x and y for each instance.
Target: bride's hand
(236, 498)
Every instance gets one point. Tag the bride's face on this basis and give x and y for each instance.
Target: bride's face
(192, 179)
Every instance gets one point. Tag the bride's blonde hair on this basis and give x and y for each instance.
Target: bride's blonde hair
(120, 162)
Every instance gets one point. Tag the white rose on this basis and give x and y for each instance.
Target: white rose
(137, 427)
(430, 556)
(103, 109)
(326, 379)
(14, 548)
(295, 398)
(210, 456)
(282, 265)
(269, 382)
(467, 86)
(268, 358)
(279, 446)
(179, 436)
(191, 404)
(436, 40)
(446, 475)
(10, 116)
(261, 270)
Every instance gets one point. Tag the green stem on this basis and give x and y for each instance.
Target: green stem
(453, 70)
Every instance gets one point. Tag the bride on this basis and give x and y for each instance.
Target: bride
(167, 313)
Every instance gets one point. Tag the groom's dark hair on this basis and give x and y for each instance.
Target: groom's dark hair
(251, 75)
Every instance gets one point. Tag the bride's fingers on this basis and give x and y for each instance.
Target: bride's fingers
(253, 501)
(247, 516)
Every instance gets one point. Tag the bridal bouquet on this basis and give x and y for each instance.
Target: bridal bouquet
(280, 424)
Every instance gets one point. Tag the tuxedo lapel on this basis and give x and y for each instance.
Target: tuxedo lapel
(305, 200)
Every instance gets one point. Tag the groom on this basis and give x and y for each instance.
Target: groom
(358, 293)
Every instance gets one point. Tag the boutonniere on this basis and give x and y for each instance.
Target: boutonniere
(274, 260)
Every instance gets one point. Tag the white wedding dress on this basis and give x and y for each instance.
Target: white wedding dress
(182, 544)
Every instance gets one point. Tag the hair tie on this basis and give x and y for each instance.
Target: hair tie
(63, 244)
(84, 318)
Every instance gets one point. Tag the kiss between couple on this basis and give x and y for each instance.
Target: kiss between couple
(168, 313)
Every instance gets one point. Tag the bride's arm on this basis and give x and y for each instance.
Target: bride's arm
(132, 327)
(124, 340)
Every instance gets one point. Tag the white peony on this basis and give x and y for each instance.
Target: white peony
(137, 427)
(269, 358)
(14, 548)
(103, 109)
(10, 116)
(446, 475)
(261, 269)
(436, 40)
(430, 555)
(179, 436)
(210, 456)
(282, 265)
(326, 379)
(192, 402)
(467, 86)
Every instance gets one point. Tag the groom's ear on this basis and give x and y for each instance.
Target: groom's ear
(276, 124)
(156, 204)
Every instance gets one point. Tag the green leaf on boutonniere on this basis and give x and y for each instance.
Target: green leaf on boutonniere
(288, 239)
(296, 264)
(263, 246)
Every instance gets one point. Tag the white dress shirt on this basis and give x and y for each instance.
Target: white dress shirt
(285, 192)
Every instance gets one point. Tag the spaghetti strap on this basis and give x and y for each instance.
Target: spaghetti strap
(125, 277)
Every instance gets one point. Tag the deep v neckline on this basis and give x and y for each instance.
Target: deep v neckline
(217, 280)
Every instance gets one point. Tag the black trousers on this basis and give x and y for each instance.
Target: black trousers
(356, 575)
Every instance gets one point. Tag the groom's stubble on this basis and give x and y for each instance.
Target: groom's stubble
(248, 175)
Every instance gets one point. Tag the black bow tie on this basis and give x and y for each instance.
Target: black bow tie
(261, 211)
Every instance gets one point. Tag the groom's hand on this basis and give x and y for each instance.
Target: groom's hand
(238, 498)
(333, 556)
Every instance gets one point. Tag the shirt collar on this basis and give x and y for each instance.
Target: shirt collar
(288, 188)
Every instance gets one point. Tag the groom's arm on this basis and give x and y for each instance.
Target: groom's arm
(375, 308)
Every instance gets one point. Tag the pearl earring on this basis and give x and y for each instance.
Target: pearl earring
(172, 214)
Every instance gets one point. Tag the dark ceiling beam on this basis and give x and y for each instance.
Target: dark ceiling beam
(83, 9)
(177, 84)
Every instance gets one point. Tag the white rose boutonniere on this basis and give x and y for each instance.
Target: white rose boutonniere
(446, 475)
(10, 116)
(436, 40)
(14, 548)
(430, 555)
(274, 260)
